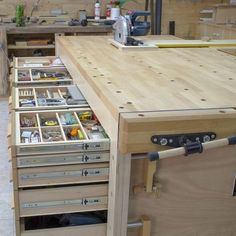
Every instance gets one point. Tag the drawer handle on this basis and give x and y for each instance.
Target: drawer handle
(191, 148)
(92, 201)
(61, 160)
(95, 172)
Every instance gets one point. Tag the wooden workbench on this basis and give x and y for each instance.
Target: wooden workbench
(9, 31)
(137, 94)
(56, 28)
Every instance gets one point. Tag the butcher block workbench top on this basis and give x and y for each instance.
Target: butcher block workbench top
(138, 94)
(164, 79)
(143, 86)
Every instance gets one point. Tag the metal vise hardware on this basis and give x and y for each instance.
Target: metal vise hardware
(179, 140)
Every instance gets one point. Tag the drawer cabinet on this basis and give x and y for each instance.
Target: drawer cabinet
(37, 62)
(50, 97)
(41, 77)
(60, 153)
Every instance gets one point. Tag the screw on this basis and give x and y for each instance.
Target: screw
(206, 138)
(163, 141)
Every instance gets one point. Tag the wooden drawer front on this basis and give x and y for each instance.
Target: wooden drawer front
(56, 175)
(48, 132)
(86, 230)
(36, 62)
(49, 97)
(63, 200)
(41, 77)
(54, 160)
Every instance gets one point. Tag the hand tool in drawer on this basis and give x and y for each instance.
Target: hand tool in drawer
(28, 98)
(37, 77)
(46, 75)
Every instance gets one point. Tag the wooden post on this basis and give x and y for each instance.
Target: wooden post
(149, 174)
(3, 63)
(146, 229)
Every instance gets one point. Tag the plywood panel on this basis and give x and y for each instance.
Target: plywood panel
(196, 195)
(215, 31)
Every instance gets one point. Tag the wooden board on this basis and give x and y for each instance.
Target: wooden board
(215, 31)
(231, 51)
(89, 230)
(224, 14)
(132, 48)
(86, 230)
(136, 129)
(152, 45)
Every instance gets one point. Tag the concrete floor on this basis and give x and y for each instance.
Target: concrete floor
(6, 213)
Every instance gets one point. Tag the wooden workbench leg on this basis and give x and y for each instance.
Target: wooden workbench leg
(146, 229)
(120, 168)
(3, 62)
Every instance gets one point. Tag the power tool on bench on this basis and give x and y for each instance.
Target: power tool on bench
(127, 26)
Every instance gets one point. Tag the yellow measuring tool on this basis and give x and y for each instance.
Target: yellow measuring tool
(194, 43)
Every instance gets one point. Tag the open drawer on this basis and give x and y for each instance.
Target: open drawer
(41, 77)
(57, 175)
(59, 131)
(86, 230)
(37, 62)
(51, 201)
(50, 97)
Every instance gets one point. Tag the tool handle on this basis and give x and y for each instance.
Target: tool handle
(135, 14)
(192, 148)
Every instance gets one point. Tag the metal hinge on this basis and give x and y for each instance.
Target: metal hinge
(179, 140)
(95, 172)
(92, 201)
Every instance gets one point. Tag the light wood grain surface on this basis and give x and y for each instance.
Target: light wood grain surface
(165, 79)
(173, 90)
